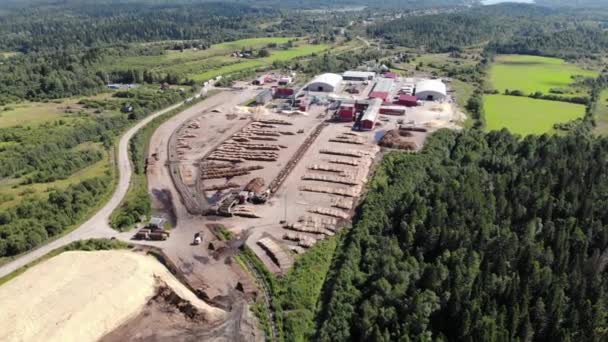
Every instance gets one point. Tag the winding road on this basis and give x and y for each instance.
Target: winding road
(98, 225)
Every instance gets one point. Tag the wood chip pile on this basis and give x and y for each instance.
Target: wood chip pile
(393, 139)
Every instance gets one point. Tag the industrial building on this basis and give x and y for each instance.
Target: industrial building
(325, 83)
(358, 76)
(346, 112)
(382, 90)
(371, 114)
(431, 90)
(407, 100)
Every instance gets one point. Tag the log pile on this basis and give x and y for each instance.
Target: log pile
(312, 229)
(297, 249)
(221, 187)
(256, 185)
(301, 239)
(244, 211)
(342, 203)
(276, 253)
(347, 153)
(326, 167)
(329, 212)
(231, 171)
(346, 180)
(346, 192)
(344, 161)
(274, 122)
(348, 139)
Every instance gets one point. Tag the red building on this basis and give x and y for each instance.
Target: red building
(370, 115)
(382, 95)
(346, 112)
(407, 100)
(283, 92)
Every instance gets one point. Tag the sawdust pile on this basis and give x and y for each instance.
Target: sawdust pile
(393, 139)
(81, 296)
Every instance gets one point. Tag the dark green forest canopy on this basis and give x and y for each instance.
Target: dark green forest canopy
(481, 237)
(509, 28)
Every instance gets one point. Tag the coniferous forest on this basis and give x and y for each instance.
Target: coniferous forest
(481, 237)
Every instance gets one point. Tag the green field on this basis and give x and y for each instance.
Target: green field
(202, 65)
(601, 114)
(530, 74)
(523, 115)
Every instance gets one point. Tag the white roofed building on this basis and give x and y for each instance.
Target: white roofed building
(431, 90)
(359, 76)
(325, 83)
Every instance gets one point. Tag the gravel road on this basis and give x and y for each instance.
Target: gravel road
(98, 225)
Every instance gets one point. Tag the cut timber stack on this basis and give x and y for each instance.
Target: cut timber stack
(326, 167)
(342, 203)
(313, 229)
(244, 211)
(348, 192)
(216, 173)
(347, 180)
(274, 122)
(276, 253)
(301, 239)
(221, 187)
(256, 185)
(329, 212)
(347, 153)
(344, 161)
(347, 139)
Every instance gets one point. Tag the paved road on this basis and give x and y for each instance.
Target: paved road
(97, 226)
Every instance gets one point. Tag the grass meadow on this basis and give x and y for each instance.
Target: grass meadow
(530, 74)
(601, 114)
(523, 115)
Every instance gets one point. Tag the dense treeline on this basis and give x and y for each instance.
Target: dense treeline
(75, 24)
(509, 28)
(34, 221)
(481, 237)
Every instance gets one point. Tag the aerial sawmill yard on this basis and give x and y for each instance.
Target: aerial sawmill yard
(302, 171)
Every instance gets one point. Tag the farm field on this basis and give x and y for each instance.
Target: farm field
(201, 65)
(530, 74)
(601, 114)
(523, 115)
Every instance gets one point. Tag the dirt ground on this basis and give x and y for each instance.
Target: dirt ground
(81, 296)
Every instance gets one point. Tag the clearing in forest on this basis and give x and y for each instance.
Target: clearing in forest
(524, 115)
(601, 113)
(530, 74)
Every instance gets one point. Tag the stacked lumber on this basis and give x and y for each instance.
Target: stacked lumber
(326, 167)
(301, 239)
(221, 187)
(346, 180)
(244, 211)
(297, 249)
(255, 185)
(308, 220)
(312, 229)
(342, 203)
(346, 192)
(194, 124)
(347, 139)
(261, 125)
(346, 152)
(277, 254)
(344, 161)
(274, 122)
(215, 173)
(329, 212)
(265, 132)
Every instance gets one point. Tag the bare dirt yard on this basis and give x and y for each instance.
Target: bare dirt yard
(81, 296)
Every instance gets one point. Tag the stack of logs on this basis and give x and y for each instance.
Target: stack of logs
(217, 170)
(348, 139)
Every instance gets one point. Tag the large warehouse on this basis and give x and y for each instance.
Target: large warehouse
(359, 76)
(431, 90)
(325, 83)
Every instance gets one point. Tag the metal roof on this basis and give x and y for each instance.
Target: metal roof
(359, 74)
(435, 86)
(330, 79)
(371, 113)
(384, 85)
